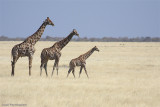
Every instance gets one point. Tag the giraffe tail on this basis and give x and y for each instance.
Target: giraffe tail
(11, 58)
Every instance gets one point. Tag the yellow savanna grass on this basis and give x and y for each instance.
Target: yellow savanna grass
(122, 74)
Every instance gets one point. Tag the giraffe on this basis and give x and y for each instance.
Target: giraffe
(53, 52)
(81, 61)
(26, 48)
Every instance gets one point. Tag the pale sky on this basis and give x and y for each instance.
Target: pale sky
(91, 18)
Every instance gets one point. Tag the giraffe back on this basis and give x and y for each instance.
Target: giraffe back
(77, 61)
(50, 53)
(23, 49)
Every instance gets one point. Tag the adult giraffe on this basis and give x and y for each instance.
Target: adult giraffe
(53, 52)
(26, 48)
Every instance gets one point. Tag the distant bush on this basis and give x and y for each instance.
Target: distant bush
(104, 39)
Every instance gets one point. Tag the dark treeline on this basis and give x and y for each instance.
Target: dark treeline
(104, 39)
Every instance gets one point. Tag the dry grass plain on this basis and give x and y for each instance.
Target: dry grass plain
(121, 75)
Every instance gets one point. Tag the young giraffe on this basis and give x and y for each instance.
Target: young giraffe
(81, 61)
(53, 53)
(26, 48)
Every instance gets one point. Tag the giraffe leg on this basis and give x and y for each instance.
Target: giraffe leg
(69, 72)
(45, 67)
(30, 64)
(42, 64)
(57, 62)
(53, 68)
(73, 72)
(80, 71)
(86, 71)
(41, 68)
(15, 58)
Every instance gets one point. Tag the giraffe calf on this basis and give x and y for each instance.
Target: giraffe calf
(81, 61)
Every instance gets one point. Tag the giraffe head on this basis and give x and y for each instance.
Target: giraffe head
(48, 21)
(75, 32)
(95, 48)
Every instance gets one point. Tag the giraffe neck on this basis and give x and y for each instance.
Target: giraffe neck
(36, 36)
(61, 44)
(89, 53)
